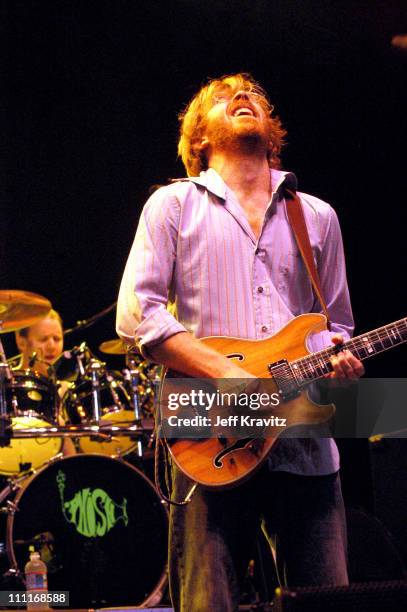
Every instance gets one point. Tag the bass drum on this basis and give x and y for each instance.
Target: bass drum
(101, 529)
(31, 402)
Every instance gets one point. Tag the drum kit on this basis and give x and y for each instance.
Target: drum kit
(98, 520)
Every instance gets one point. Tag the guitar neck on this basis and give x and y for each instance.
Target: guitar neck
(316, 365)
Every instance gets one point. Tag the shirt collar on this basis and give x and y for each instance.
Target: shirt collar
(213, 182)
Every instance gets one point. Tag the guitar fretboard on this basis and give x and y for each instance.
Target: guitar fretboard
(316, 365)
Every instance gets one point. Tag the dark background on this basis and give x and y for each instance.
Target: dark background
(91, 94)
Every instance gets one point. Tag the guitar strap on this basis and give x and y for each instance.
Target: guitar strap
(297, 221)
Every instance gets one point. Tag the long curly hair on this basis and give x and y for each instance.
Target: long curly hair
(192, 120)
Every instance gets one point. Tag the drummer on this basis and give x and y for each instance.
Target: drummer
(41, 343)
(40, 346)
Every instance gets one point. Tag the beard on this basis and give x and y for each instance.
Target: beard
(245, 137)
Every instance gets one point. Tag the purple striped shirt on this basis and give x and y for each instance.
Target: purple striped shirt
(195, 265)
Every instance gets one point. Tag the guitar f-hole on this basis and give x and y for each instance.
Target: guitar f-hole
(237, 356)
(238, 445)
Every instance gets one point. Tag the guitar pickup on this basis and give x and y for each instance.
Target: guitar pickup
(284, 378)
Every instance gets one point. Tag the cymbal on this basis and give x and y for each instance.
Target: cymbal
(20, 309)
(113, 347)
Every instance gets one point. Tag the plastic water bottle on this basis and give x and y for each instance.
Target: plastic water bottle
(36, 582)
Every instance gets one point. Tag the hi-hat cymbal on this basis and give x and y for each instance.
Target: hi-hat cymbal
(113, 347)
(20, 309)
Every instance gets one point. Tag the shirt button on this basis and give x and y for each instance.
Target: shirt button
(260, 289)
(264, 328)
(257, 251)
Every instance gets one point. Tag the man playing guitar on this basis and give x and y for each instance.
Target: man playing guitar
(214, 255)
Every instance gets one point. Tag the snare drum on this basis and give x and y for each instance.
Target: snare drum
(31, 402)
(115, 408)
(101, 529)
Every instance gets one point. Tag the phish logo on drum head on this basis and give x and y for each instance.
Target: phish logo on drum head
(92, 511)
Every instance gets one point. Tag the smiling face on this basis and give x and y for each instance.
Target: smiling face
(232, 107)
(236, 121)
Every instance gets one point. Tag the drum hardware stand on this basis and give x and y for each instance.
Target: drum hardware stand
(14, 484)
(14, 403)
(95, 371)
(147, 395)
(105, 432)
(5, 375)
(15, 360)
(56, 457)
(10, 508)
(132, 374)
(156, 395)
(79, 354)
(116, 398)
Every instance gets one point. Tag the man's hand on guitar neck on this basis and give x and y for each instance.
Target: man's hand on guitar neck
(189, 356)
(344, 363)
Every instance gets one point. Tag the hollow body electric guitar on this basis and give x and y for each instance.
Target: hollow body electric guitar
(219, 462)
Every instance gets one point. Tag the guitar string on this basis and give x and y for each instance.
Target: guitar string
(393, 333)
(310, 365)
(317, 365)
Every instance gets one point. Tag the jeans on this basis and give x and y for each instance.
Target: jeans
(211, 540)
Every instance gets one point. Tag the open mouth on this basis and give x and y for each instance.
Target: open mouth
(243, 111)
(242, 108)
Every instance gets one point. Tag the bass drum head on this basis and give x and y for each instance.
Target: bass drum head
(101, 529)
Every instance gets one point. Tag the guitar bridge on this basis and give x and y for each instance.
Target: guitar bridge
(285, 380)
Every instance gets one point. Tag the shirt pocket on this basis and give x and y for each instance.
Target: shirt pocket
(294, 284)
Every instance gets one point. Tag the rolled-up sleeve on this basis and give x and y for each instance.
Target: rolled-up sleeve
(143, 319)
(332, 272)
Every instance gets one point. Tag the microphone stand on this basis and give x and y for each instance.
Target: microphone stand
(91, 321)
